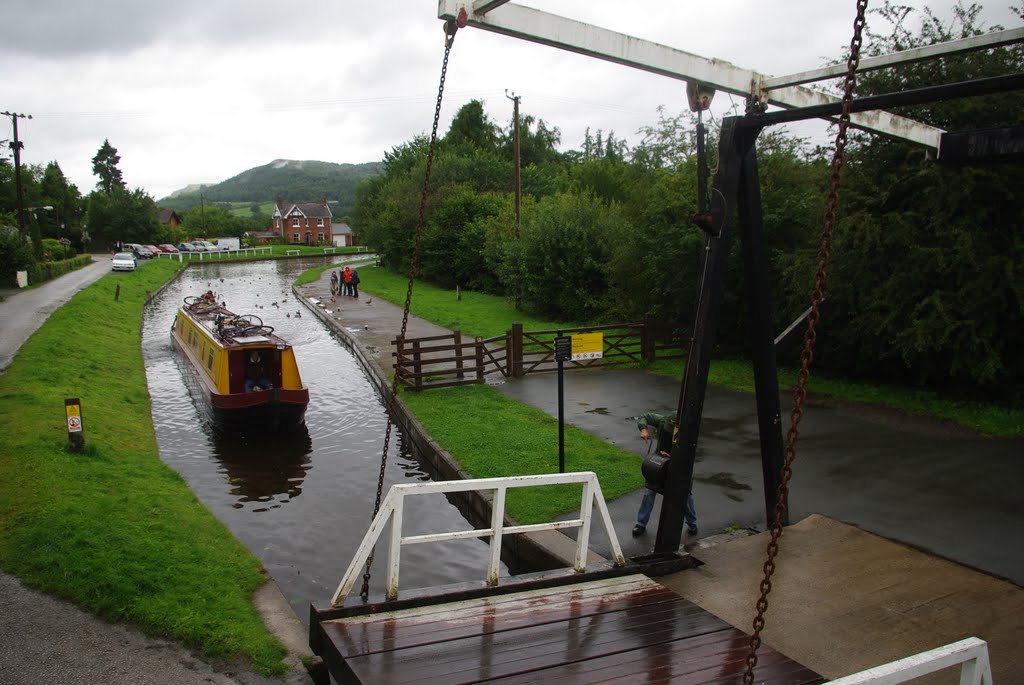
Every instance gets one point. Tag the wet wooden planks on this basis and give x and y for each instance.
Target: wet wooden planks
(618, 630)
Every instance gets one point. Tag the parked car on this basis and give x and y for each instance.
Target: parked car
(154, 249)
(142, 252)
(168, 248)
(205, 246)
(186, 247)
(122, 261)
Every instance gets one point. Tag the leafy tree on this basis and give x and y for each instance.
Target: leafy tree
(128, 216)
(66, 217)
(104, 166)
(471, 127)
(926, 281)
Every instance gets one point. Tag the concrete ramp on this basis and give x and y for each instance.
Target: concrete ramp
(844, 600)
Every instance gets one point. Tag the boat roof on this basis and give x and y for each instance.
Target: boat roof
(211, 316)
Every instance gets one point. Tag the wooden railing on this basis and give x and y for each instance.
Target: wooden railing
(447, 360)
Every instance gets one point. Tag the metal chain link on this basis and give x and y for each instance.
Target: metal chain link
(450, 29)
(810, 336)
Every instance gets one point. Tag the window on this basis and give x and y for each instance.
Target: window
(319, 223)
(295, 237)
(320, 237)
(295, 222)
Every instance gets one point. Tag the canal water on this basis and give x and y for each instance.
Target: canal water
(302, 501)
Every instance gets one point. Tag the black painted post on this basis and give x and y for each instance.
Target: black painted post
(563, 351)
(762, 334)
(733, 145)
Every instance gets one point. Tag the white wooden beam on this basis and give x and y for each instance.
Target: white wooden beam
(585, 39)
(983, 42)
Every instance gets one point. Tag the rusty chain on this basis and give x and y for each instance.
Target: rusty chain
(450, 29)
(810, 336)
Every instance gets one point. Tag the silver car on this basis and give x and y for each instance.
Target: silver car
(123, 261)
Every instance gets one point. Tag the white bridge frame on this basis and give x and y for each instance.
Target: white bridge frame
(510, 19)
(392, 510)
(971, 654)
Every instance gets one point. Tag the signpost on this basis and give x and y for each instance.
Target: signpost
(563, 351)
(73, 414)
(579, 347)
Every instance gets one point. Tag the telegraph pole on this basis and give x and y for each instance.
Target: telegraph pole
(515, 153)
(16, 145)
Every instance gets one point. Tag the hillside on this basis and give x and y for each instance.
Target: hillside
(294, 181)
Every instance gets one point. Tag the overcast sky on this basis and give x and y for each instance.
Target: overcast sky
(196, 91)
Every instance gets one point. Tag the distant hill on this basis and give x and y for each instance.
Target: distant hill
(295, 181)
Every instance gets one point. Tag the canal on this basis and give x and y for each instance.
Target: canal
(303, 501)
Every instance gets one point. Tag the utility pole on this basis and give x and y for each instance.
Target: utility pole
(16, 145)
(515, 153)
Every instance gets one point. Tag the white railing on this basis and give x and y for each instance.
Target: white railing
(971, 654)
(392, 509)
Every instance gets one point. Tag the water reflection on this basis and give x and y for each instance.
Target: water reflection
(264, 471)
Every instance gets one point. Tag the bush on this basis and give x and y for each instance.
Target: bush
(15, 254)
(44, 271)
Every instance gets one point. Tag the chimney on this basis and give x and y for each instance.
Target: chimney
(323, 202)
(280, 202)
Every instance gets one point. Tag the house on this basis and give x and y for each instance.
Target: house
(308, 223)
(341, 235)
(170, 218)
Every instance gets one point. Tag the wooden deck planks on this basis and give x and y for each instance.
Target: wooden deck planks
(627, 629)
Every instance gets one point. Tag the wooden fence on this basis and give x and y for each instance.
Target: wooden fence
(446, 360)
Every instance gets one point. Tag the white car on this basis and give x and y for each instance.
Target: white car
(204, 246)
(123, 261)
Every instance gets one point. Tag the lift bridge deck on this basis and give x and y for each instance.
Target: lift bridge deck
(607, 625)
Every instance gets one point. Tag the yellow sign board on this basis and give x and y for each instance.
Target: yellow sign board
(73, 411)
(587, 346)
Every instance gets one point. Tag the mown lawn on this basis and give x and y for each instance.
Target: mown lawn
(112, 528)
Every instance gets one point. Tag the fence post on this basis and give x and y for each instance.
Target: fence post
(479, 359)
(457, 338)
(417, 367)
(516, 350)
(647, 339)
(399, 361)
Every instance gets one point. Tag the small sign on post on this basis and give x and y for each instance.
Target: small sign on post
(73, 414)
(563, 352)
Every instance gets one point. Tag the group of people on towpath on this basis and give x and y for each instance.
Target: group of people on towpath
(346, 283)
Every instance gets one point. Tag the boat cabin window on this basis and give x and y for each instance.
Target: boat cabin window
(239, 367)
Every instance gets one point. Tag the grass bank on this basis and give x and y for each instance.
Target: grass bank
(476, 424)
(487, 315)
(114, 529)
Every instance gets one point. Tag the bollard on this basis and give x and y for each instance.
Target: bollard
(117, 293)
(73, 414)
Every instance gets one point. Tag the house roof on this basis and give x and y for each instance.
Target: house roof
(167, 214)
(311, 210)
(341, 228)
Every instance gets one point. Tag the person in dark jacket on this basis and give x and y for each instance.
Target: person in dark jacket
(355, 283)
(660, 429)
(256, 373)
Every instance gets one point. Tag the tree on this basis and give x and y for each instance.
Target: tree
(471, 127)
(104, 165)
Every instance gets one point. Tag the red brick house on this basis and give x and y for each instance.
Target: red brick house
(170, 218)
(308, 223)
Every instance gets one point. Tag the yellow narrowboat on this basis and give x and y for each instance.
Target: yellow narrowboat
(245, 373)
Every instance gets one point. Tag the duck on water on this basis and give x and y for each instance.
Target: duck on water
(246, 375)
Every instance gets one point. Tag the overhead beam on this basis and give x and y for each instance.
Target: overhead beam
(585, 39)
(482, 7)
(986, 41)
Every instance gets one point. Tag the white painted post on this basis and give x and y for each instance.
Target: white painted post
(497, 527)
(583, 537)
(395, 549)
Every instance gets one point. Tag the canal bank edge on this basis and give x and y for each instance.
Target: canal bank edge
(530, 551)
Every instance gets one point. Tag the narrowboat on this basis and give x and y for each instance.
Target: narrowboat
(246, 375)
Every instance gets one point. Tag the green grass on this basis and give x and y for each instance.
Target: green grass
(475, 314)
(112, 528)
(492, 436)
